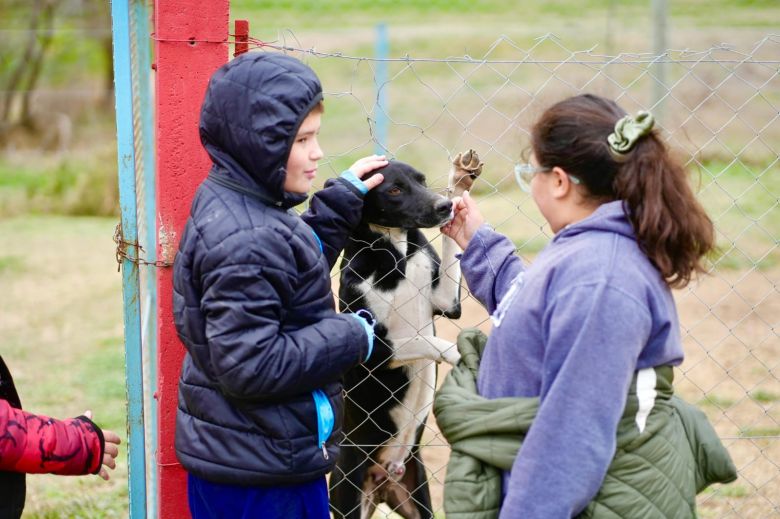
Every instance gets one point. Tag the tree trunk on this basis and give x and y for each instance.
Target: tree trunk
(36, 65)
(11, 87)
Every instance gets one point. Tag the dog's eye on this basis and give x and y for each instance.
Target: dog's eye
(394, 191)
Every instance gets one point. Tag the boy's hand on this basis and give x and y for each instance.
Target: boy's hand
(110, 452)
(467, 220)
(366, 165)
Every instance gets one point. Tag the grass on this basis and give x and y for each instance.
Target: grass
(764, 397)
(62, 339)
(78, 184)
(330, 13)
(758, 432)
(717, 401)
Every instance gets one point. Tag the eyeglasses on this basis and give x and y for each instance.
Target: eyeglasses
(524, 173)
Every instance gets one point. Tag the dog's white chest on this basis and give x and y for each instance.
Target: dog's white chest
(406, 309)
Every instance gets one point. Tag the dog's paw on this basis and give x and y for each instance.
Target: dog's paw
(395, 469)
(381, 472)
(467, 169)
(451, 355)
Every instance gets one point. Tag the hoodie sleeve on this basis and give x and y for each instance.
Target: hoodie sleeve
(594, 334)
(333, 213)
(489, 264)
(245, 296)
(37, 444)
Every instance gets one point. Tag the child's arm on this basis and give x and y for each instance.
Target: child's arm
(38, 444)
(256, 346)
(333, 212)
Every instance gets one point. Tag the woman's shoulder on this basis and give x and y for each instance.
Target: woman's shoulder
(598, 257)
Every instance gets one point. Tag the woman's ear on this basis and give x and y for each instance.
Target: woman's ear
(561, 183)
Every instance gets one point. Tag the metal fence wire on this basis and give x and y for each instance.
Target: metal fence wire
(717, 107)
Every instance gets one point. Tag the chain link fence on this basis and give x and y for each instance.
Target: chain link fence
(717, 107)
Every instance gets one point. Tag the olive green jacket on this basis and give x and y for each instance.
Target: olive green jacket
(656, 473)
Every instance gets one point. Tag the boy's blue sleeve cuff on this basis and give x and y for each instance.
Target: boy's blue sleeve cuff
(355, 181)
(365, 318)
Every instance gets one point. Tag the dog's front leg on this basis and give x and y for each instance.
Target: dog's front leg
(446, 297)
(429, 347)
(369, 500)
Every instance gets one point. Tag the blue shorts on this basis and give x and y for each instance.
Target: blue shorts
(209, 500)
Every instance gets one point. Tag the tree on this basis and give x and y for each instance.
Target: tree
(25, 72)
(29, 49)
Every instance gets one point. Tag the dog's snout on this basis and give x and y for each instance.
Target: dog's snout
(443, 207)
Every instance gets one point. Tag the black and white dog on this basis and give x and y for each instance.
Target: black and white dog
(390, 269)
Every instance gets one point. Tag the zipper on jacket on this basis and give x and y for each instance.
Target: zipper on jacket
(325, 419)
(319, 242)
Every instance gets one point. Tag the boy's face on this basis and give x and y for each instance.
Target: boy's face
(305, 152)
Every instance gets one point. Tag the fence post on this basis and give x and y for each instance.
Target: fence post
(659, 51)
(242, 37)
(127, 243)
(143, 126)
(380, 84)
(191, 42)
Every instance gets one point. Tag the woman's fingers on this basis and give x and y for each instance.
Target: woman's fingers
(466, 221)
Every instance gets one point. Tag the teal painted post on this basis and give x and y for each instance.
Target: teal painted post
(120, 16)
(145, 109)
(380, 82)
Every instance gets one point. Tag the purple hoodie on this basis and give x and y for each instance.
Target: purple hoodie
(570, 328)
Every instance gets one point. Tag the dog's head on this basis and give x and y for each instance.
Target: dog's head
(403, 200)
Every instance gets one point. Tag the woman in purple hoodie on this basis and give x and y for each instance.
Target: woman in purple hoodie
(595, 307)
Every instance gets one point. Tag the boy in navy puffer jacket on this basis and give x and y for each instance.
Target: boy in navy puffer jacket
(260, 397)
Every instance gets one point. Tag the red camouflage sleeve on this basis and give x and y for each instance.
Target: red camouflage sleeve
(38, 444)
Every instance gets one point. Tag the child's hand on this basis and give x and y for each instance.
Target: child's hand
(366, 165)
(110, 452)
(467, 220)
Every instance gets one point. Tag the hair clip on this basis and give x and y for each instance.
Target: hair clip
(628, 131)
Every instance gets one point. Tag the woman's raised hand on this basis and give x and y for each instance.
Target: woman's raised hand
(466, 221)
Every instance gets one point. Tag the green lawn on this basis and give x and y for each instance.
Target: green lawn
(62, 337)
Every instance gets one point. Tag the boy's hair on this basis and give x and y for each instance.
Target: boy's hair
(318, 108)
(671, 226)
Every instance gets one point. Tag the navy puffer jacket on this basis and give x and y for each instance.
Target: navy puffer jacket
(252, 296)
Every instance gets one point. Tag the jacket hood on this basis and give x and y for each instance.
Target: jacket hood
(253, 108)
(610, 217)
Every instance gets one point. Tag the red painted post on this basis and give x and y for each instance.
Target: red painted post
(191, 42)
(242, 37)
